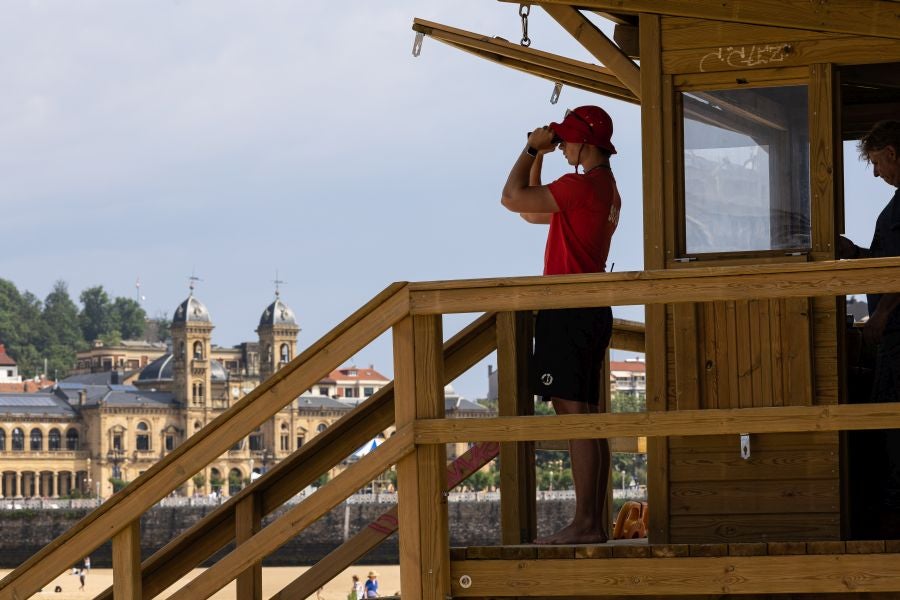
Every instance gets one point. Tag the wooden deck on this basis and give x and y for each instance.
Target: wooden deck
(634, 568)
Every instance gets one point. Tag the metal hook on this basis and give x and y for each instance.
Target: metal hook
(745, 446)
(417, 44)
(557, 88)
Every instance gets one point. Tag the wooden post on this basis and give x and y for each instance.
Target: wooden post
(421, 476)
(655, 246)
(126, 557)
(518, 513)
(247, 521)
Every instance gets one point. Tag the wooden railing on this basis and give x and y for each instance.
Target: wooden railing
(422, 366)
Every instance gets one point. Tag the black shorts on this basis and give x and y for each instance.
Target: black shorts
(569, 349)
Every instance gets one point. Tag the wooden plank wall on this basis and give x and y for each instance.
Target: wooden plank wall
(751, 353)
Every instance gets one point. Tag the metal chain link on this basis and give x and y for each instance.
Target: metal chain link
(524, 10)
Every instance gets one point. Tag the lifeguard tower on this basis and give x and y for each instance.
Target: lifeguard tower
(752, 483)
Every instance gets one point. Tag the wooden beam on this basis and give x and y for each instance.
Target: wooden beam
(596, 42)
(518, 513)
(558, 69)
(295, 520)
(421, 477)
(248, 519)
(701, 284)
(126, 557)
(779, 419)
(880, 18)
(628, 335)
(658, 577)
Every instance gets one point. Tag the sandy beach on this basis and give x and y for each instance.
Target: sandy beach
(274, 579)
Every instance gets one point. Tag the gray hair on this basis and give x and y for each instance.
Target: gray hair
(882, 134)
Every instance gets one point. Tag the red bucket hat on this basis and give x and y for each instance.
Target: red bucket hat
(586, 125)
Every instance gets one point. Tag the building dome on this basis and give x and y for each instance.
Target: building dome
(159, 370)
(277, 313)
(191, 311)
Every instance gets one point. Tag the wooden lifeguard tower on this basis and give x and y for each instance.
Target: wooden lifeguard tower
(745, 105)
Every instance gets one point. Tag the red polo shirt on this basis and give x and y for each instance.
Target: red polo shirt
(580, 233)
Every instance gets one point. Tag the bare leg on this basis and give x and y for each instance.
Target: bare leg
(590, 472)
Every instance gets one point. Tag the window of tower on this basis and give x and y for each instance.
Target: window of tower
(198, 350)
(285, 353)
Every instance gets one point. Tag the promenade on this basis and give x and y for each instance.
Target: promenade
(274, 579)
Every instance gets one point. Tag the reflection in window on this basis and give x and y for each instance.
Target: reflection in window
(72, 439)
(54, 440)
(746, 170)
(37, 440)
(18, 439)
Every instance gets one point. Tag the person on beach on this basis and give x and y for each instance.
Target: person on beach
(371, 588)
(582, 210)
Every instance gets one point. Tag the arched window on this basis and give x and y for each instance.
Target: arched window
(37, 440)
(268, 354)
(181, 350)
(18, 440)
(215, 480)
(54, 440)
(285, 353)
(198, 350)
(322, 427)
(235, 482)
(142, 440)
(2, 439)
(72, 439)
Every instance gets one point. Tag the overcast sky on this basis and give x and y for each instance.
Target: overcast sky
(233, 139)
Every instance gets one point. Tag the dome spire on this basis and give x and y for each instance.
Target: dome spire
(277, 283)
(191, 280)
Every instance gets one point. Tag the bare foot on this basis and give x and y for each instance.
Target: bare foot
(574, 535)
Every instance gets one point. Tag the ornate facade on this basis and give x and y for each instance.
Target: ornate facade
(92, 433)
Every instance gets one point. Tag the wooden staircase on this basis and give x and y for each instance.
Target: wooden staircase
(414, 403)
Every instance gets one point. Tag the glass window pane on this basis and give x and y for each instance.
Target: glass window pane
(746, 170)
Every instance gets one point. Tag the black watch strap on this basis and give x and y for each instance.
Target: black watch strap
(531, 151)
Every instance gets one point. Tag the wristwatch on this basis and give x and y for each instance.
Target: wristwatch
(531, 151)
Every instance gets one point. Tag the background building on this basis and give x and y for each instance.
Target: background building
(130, 404)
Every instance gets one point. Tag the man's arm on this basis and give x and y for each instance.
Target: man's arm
(874, 327)
(519, 195)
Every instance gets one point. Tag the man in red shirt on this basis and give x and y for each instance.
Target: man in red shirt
(582, 210)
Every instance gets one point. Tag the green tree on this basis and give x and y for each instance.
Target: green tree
(127, 317)
(199, 481)
(163, 327)
(61, 336)
(21, 328)
(95, 314)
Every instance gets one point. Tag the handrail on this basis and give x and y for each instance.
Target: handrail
(215, 530)
(702, 284)
(707, 421)
(354, 333)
